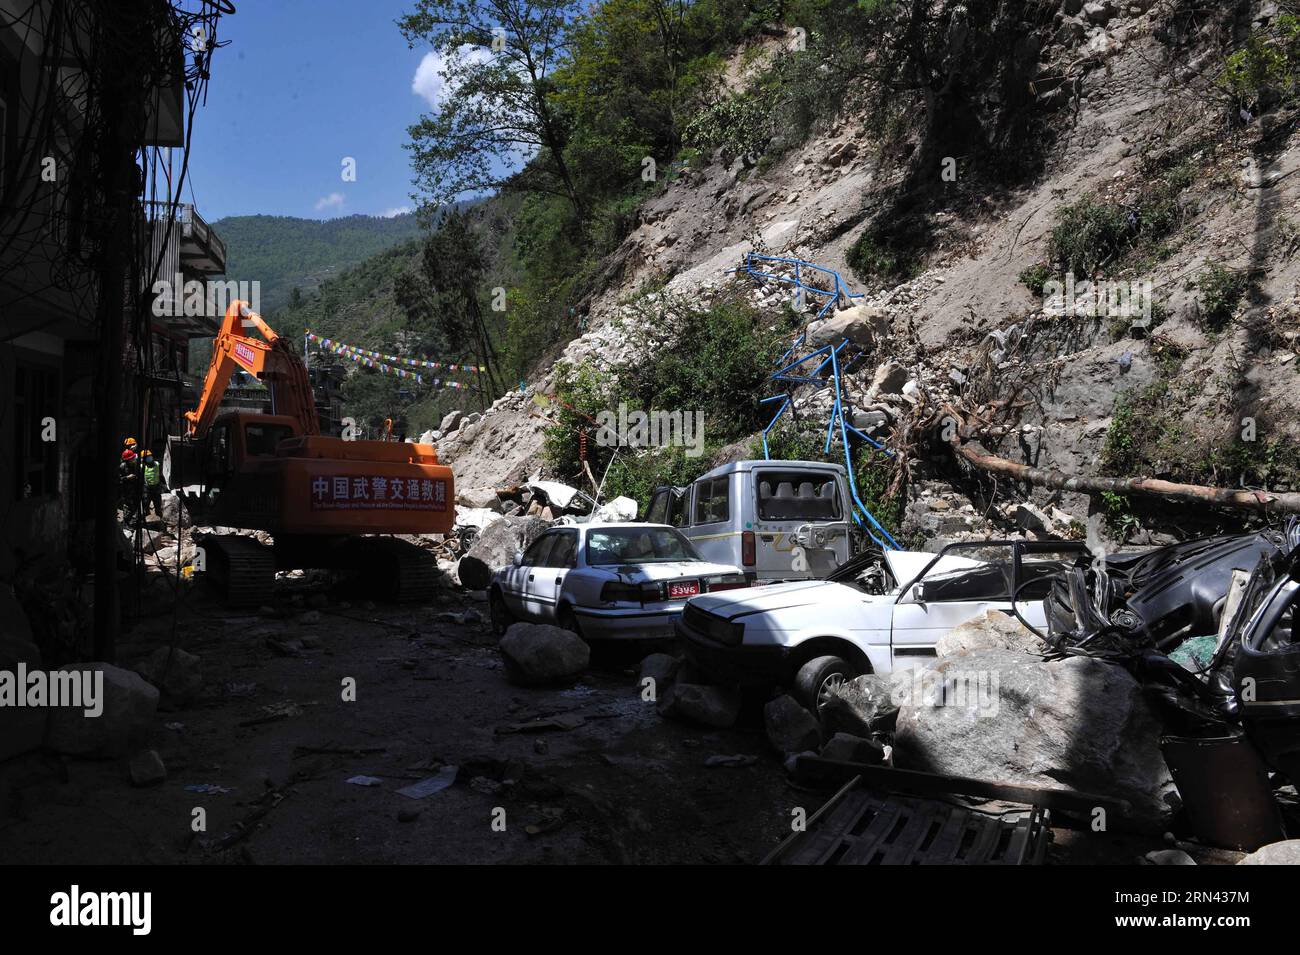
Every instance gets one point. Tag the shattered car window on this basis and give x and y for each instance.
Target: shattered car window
(633, 545)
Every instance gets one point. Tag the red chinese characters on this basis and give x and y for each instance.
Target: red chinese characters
(377, 492)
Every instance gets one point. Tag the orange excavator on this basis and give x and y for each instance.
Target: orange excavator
(322, 499)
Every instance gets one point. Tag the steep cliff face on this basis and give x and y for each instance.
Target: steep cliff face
(1139, 174)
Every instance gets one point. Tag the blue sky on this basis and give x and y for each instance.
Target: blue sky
(303, 84)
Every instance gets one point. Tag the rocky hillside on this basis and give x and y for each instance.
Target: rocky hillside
(1142, 171)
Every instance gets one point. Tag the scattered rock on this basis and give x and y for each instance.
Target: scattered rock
(175, 672)
(739, 759)
(790, 727)
(147, 768)
(129, 704)
(861, 324)
(1168, 857)
(1279, 853)
(889, 379)
(661, 668)
(697, 703)
(994, 630)
(1099, 13)
(536, 653)
(450, 422)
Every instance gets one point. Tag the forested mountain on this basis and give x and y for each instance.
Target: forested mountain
(284, 253)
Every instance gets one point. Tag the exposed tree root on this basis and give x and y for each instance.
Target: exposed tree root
(1266, 501)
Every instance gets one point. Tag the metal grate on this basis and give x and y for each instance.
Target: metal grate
(861, 827)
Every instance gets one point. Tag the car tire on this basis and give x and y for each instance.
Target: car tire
(813, 682)
(566, 620)
(501, 616)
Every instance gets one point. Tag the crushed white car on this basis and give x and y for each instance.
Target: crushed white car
(878, 612)
(606, 581)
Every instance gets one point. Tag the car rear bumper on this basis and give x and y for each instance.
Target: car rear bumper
(743, 665)
(628, 624)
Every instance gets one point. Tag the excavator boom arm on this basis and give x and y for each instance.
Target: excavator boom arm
(272, 362)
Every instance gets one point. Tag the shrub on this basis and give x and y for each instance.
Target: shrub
(1221, 290)
(1035, 277)
(1088, 233)
(1269, 60)
(874, 258)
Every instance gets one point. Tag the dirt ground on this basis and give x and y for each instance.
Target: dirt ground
(274, 733)
(267, 749)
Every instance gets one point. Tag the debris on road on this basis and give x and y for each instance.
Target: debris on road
(434, 784)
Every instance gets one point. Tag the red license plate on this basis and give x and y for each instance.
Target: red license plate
(683, 588)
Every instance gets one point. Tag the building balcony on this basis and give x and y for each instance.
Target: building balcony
(185, 249)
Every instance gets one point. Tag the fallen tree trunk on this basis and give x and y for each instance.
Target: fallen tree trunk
(1267, 501)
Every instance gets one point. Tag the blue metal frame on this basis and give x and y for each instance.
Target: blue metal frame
(785, 373)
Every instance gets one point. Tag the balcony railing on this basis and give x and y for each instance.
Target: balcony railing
(201, 249)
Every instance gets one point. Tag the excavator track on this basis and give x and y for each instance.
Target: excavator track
(395, 569)
(242, 569)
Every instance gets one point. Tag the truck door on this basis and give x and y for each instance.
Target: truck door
(802, 523)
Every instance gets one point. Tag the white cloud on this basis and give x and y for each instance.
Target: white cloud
(430, 80)
(334, 201)
(394, 212)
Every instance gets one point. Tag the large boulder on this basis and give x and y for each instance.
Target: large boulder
(1278, 853)
(451, 421)
(993, 630)
(129, 704)
(861, 706)
(176, 672)
(790, 727)
(173, 514)
(477, 497)
(536, 654)
(618, 511)
(496, 547)
(1078, 723)
(717, 706)
(861, 324)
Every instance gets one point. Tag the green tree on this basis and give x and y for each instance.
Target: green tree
(497, 110)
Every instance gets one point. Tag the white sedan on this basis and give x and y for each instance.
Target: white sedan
(606, 581)
(875, 614)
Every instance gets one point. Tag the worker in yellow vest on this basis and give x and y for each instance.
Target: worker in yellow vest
(153, 486)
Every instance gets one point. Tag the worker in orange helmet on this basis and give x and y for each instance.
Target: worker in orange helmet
(129, 477)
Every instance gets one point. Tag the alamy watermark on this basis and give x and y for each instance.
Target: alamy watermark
(174, 297)
(971, 689)
(83, 689)
(77, 908)
(651, 429)
(1106, 299)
